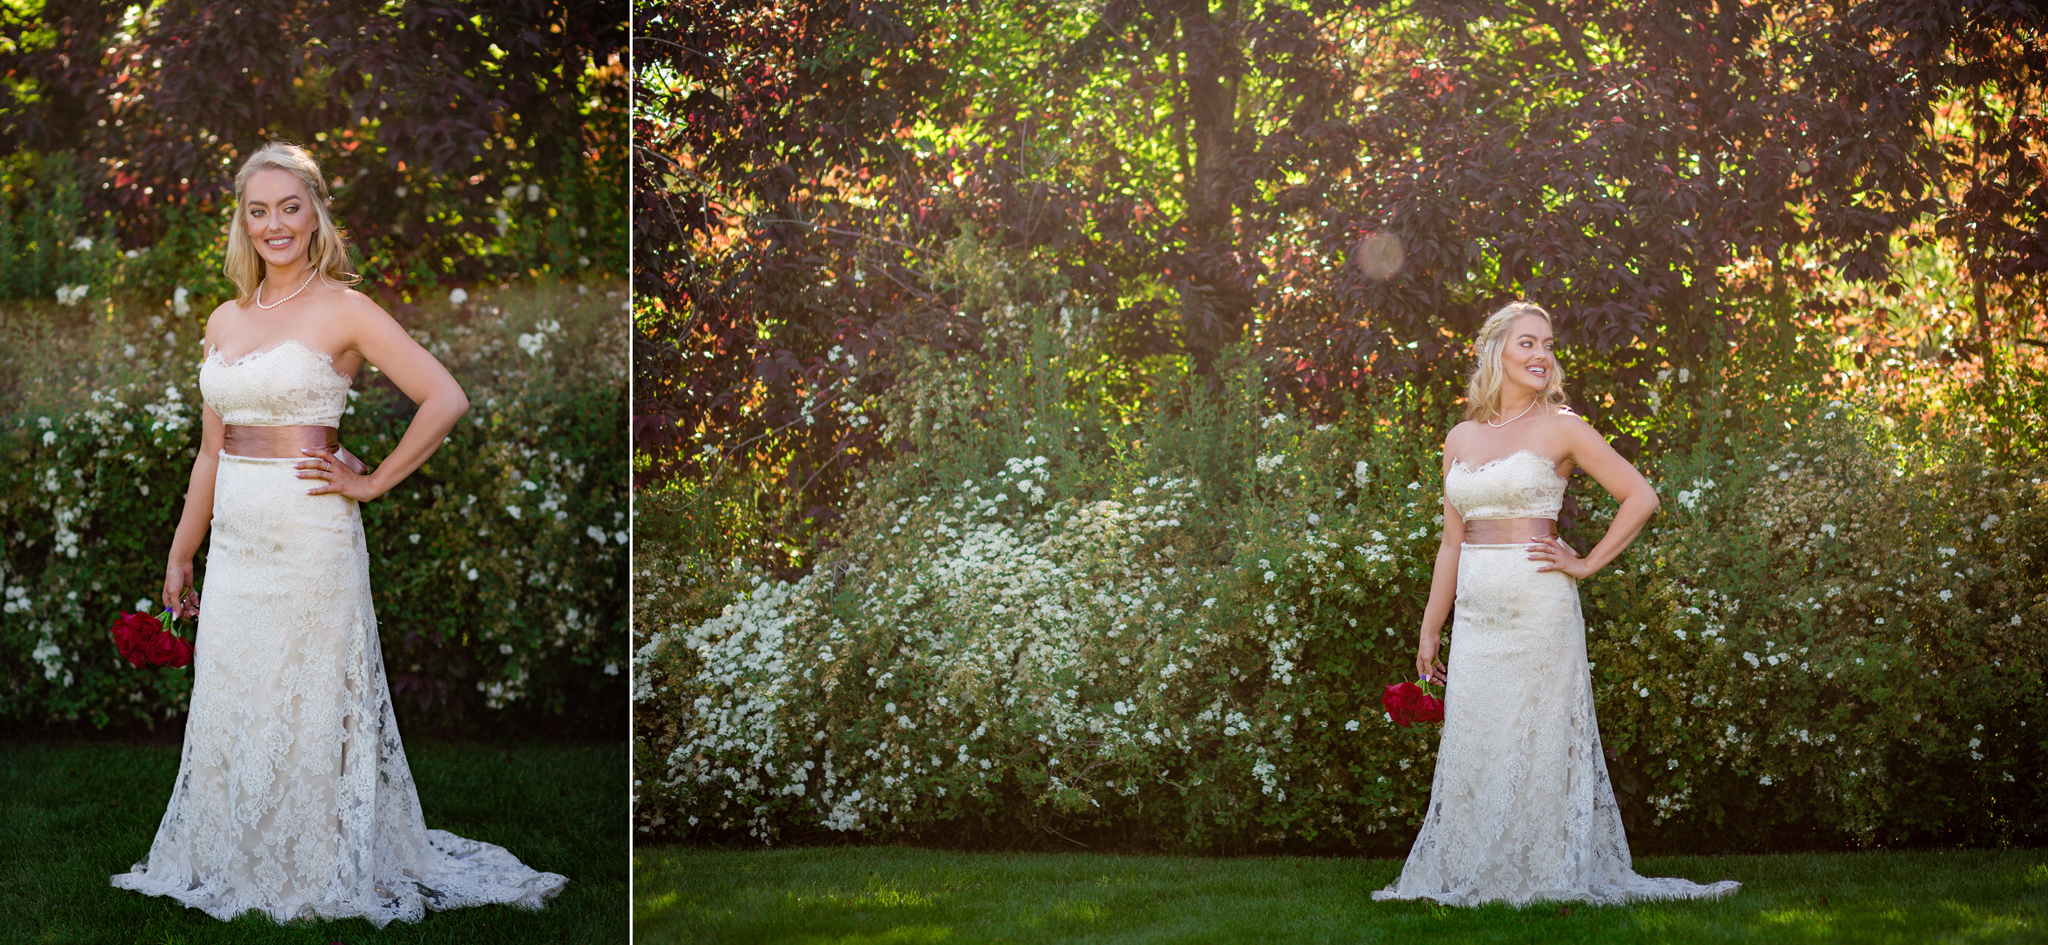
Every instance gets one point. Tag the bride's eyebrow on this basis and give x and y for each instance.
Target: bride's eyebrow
(259, 203)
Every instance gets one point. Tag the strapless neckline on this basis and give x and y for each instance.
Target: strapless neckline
(1547, 462)
(259, 354)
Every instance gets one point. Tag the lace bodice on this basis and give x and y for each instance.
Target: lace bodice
(1521, 484)
(288, 384)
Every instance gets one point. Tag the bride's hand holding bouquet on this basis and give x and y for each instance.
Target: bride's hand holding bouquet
(180, 600)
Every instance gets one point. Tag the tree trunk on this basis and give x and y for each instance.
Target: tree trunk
(1215, 305)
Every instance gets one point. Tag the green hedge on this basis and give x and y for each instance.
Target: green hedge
(499, 567)
(1172, 632)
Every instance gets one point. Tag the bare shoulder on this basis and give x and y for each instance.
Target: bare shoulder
(222, 323)
(1462, 432)
(355, 304)
(1459, 437)
(1572, 437)
(223, 314)
(362, 317)
(1566, 422)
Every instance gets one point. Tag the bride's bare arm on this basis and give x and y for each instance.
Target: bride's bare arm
(197, 517)
(1590, 451)
(1443, 590)
(382, 342)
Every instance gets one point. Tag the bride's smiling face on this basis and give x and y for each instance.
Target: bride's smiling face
(279, 216)
(1530, 357)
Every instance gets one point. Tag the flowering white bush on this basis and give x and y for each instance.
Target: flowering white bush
(1035, 622)
(1830, 618)
(1016, 631)
(489, 589)
(995, 646)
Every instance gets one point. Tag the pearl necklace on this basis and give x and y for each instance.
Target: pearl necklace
(1524, 413)
(309, 281)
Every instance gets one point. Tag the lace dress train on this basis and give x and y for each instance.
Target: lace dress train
(293, 795)
(1521, 808)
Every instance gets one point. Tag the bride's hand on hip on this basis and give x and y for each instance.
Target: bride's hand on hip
(342, 477)
(1558, 556)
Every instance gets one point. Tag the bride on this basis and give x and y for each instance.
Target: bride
(293, 797)
(1521, 808)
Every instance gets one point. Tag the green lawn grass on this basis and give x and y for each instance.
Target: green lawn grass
(845, 896)
(73, 815)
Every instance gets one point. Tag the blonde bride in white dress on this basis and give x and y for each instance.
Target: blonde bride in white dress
(1521, 808)
(293, 797)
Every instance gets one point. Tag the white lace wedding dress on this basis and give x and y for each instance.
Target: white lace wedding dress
(293, 797)
(1521, 808)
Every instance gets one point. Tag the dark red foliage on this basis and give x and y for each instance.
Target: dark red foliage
(785, 202)
(162, 116)
(780, 209)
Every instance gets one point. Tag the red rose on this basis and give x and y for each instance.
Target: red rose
(133, 634)
(169, 650)
(181, 656)
(1431, 709)
(142, 640)
(1408, 704)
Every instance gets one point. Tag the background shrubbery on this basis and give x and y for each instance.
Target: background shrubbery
(463, 142)
(1167, 624)
(928, 293)
(499, 568)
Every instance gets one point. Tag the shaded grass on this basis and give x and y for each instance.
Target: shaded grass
(873, 895)
(73, 815)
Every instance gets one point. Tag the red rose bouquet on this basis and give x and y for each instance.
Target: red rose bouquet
(1408, 703)
(144, 641)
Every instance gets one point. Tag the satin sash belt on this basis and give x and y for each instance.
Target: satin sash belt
(286, 442)
(1506, 531)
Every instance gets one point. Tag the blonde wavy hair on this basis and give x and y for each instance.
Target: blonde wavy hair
(1483, 389)
(328, 248)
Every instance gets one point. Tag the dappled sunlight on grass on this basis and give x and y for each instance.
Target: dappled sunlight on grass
(1984, 923)
(900, 935)
(1806, 923)
(1882, 919)
(657, 904)
(1076, 912)
(876, 896)
(892, 894)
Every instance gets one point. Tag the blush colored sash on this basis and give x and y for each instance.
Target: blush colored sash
(1506, 531)
(243, 440)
